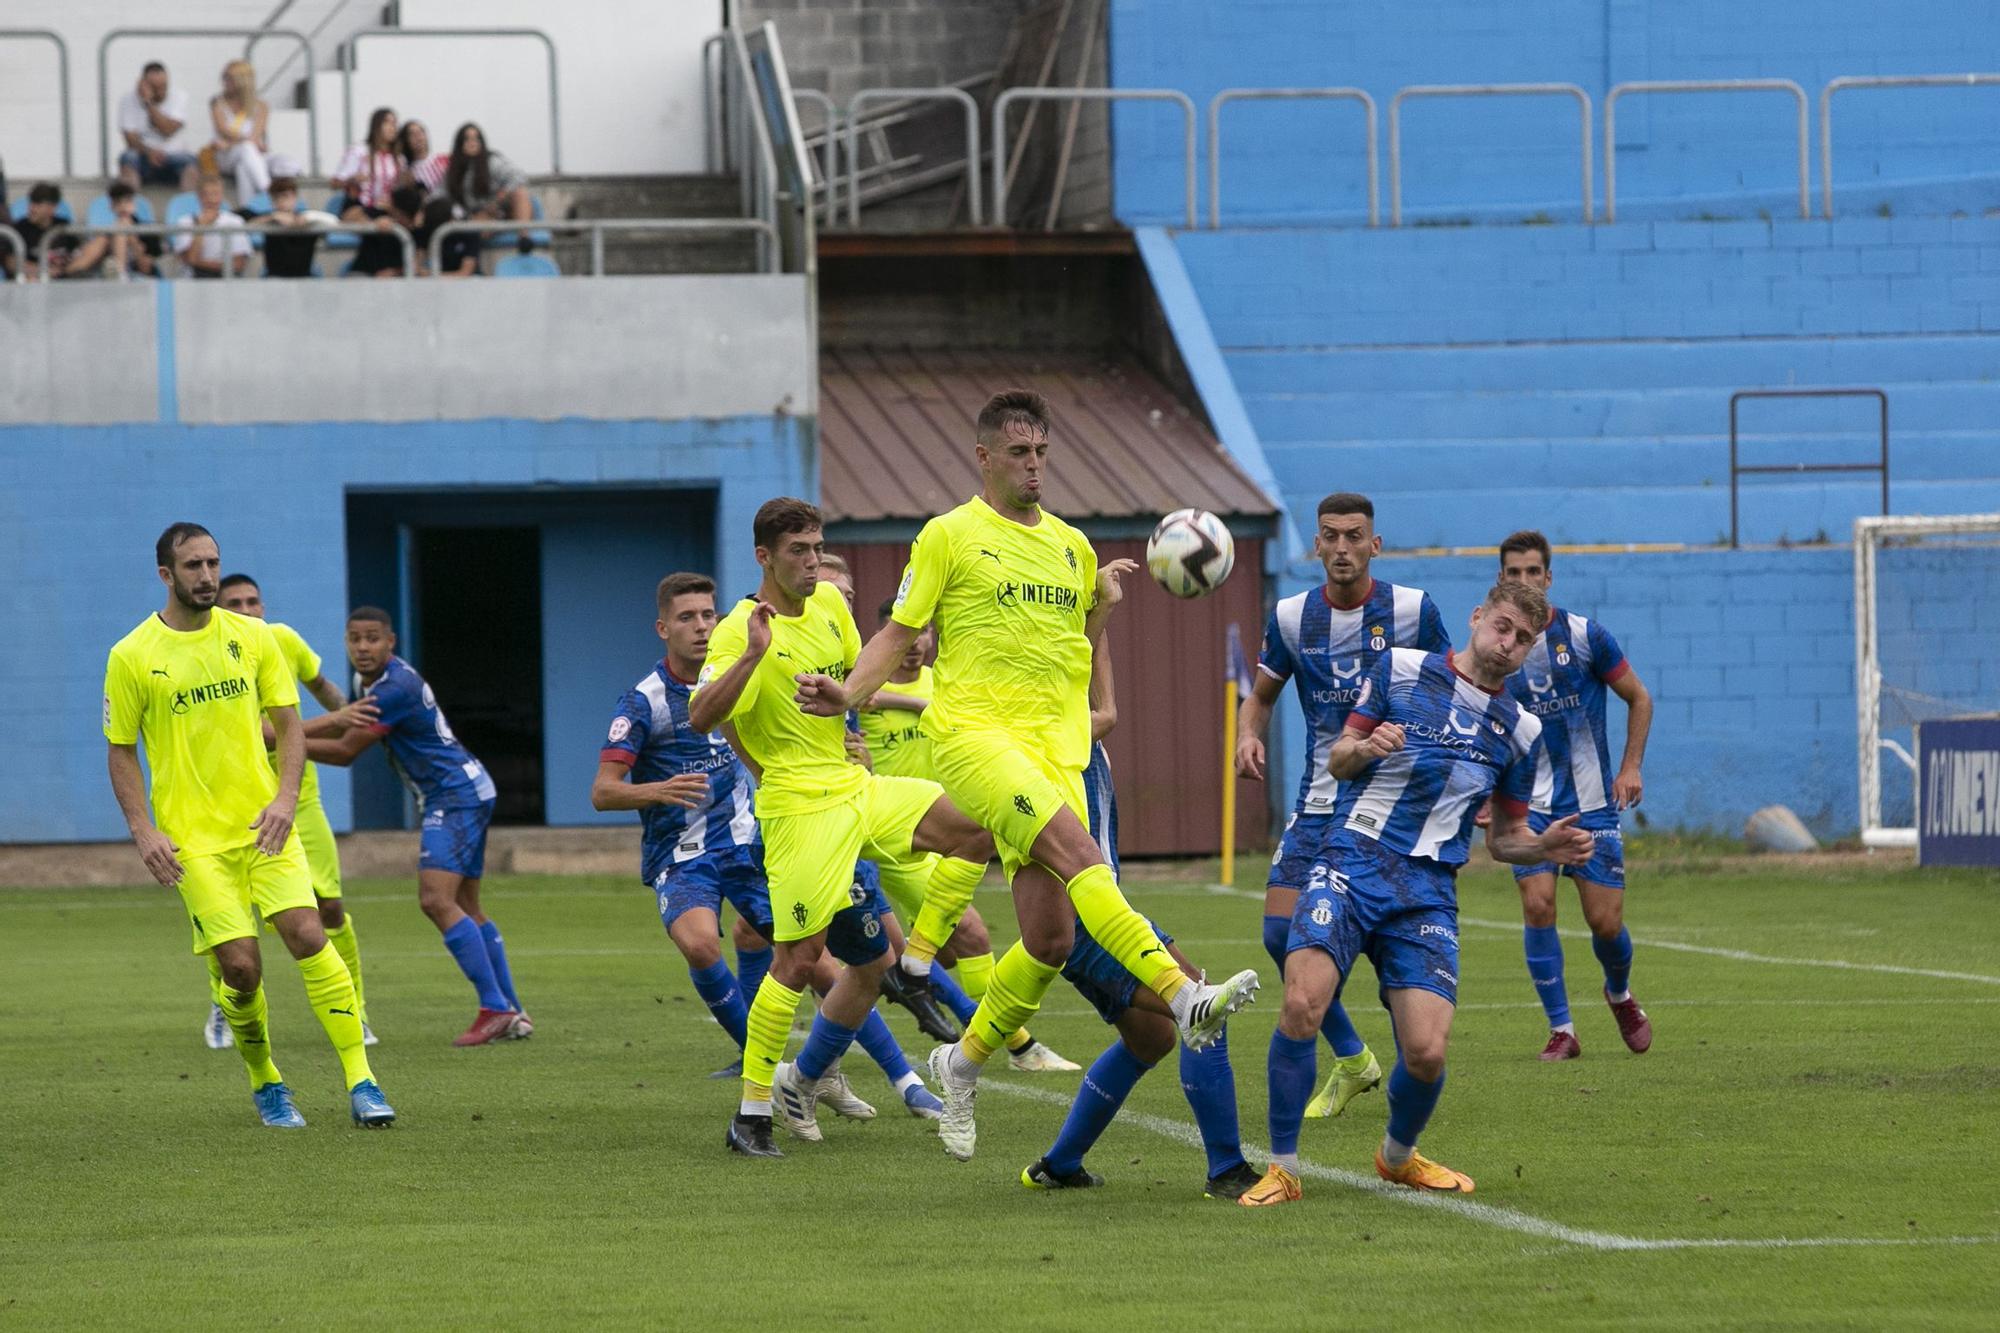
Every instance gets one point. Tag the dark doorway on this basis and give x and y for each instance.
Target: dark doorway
(477, 595)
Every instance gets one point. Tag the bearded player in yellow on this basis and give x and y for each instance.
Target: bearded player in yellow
(1019, 602)
(197, 683)
(820, 814)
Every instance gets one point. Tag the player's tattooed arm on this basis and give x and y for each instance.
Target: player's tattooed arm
(1357, 750)
(128, 784)
(1510, 839)
(1628, 787)
(1253, 724)
(1110, 592)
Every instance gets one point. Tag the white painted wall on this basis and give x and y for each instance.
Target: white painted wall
(629, 75)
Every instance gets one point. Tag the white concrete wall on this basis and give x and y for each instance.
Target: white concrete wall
(629, 75)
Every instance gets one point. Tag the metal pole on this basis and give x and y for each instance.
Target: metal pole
(1012, 95)
(1485, 90)
(1702, 86)
(1265, 94)
(851, 133)
(62, 84)
(597, 252)
(1876, 81)
(20, 249)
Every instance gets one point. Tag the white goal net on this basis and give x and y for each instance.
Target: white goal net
(1927, 645)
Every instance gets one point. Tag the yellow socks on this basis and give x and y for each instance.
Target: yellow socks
(945, 900)
(769, 1027)
(1019, 982)
(1125, 934)
(349, 948)
(249, 1019)
(975, 975)
(330, 992)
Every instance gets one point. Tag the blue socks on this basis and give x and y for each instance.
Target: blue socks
(1411, 1101)
(1616, 955)
(874, 1037)
(724, 998)
(826, 1044)
(496, 954)
(1210, 1086)
(468, 946)
(1294, 1066)
(1106, 1084)
(751, 965)
(1545, 967)
(947, 989)
(1340, 1033)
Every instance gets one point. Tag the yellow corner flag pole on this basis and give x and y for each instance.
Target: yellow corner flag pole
(1235, 669)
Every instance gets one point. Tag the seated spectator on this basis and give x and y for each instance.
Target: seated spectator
(241, 140)
(151, 118)
(291, 238)
(127, 253)
(368, 172)
(525, 263)
(43, 200)
(459, 255)
(206, 254)
(381, 256)
(421, 165)
(482, 183)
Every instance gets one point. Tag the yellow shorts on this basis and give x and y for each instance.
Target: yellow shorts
(220, 889)
(905, 882)
(322, 853)
(1012, 790)
(809, 858)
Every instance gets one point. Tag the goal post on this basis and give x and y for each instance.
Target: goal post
(1926, 645)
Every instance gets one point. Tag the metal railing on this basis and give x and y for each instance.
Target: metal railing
(767, 235)
(1737, 469)
(1013, 95)
(1875, 81)
(714, 78)
(830, 168)
(20, 249)
(353, 56)
(851, 129)
(747, 111)
(104, 80)
(1481, 90)
(171, 229)
(1274, 94)
(1700, 86)
(62, 81)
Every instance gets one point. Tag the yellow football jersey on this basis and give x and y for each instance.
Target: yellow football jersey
(803, 759)
(895, 736)
(197, 699)
(304, 664)
(1010, 603)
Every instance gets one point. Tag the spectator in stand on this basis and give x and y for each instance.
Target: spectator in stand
(242, 121)
(483, 184)
(290, 238)
(151, 118)
(368, 172)
(205, 255)
(43, 200)
(381, 256)
(421, 165)
(459, 256)
(127, 253)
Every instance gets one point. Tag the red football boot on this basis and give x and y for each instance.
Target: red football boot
(1562, 1046)
(1633, 1025)
(487, 1026)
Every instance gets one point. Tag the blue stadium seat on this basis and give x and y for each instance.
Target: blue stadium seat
(336, 204)
(63, 213)
(183, 205)
(526, 266)
(505, 240)
(99, 213)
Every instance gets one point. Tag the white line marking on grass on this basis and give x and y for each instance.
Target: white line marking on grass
(1497, 1215)
(1745, 956)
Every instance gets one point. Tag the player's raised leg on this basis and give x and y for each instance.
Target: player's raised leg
(1604, 909)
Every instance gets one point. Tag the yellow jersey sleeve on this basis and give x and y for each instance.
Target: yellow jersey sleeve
(275, 686)
(925, 577)
(300, 659)
(726, 646)
(124, 701)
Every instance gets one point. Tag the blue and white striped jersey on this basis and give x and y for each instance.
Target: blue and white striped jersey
(1460, 744)
(1331, 652)
(650, 733)
(1563, 683)
(1101, 803)
(422, 750)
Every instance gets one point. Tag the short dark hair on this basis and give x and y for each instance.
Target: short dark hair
(786, 514)
(1527, 539)
(374, 613)
(120, 190)
(408, 198)
(1010, 408)
(283, 185)
(681, 585)
(1528, 601)
(45, 192)
(231, 580)
(152, 67)
(176, 533)
(1347, 502)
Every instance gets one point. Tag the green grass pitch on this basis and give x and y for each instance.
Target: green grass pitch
(1811, 1142)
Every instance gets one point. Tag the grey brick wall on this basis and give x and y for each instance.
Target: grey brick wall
(843, 46)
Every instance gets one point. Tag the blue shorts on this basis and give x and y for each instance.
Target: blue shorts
(454, 840)
(1607, 861)
(1301, 844)
(732, 873)
(855, 935)
(1100, 801)
(1100, 978)
(1399, 910)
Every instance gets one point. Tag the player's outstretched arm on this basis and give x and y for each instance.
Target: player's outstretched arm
(1253, 724)
(882, 699)
(1510, 839)
(1103, 694)
(613, 789)
(714, 701)
(363, 712)
(341, 750)
(1110, 592)
(1628, 787)
(327, 693)
(1359, 750)
(128, 784)
(823, 696)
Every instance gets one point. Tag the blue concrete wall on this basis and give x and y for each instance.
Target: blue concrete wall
(1732, 154)
(80, 507)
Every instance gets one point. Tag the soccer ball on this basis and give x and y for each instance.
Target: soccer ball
(1190, 553)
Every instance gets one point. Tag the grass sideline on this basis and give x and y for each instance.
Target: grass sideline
(579, 1177)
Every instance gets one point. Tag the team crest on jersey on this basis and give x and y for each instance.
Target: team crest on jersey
(235, 651)
(903, 588)
(1499, 727)
(621, 727)
(1376, 639)
(1322, 915)
(1069, 554)
(1562, 654)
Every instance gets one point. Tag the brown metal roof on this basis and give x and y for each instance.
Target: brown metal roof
(896, 436)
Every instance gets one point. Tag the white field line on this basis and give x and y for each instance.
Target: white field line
(1496, 1215)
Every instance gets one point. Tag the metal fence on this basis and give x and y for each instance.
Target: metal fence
(1699, 86)
(767, 235)
(1738, 469)
(1215, 105)
(1875, 81)
(20, 249)
(104, 79)
(1013, 95)
(1481, 90)
(852, 134)
(62, 80)
(353, 55)
(171, 229)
